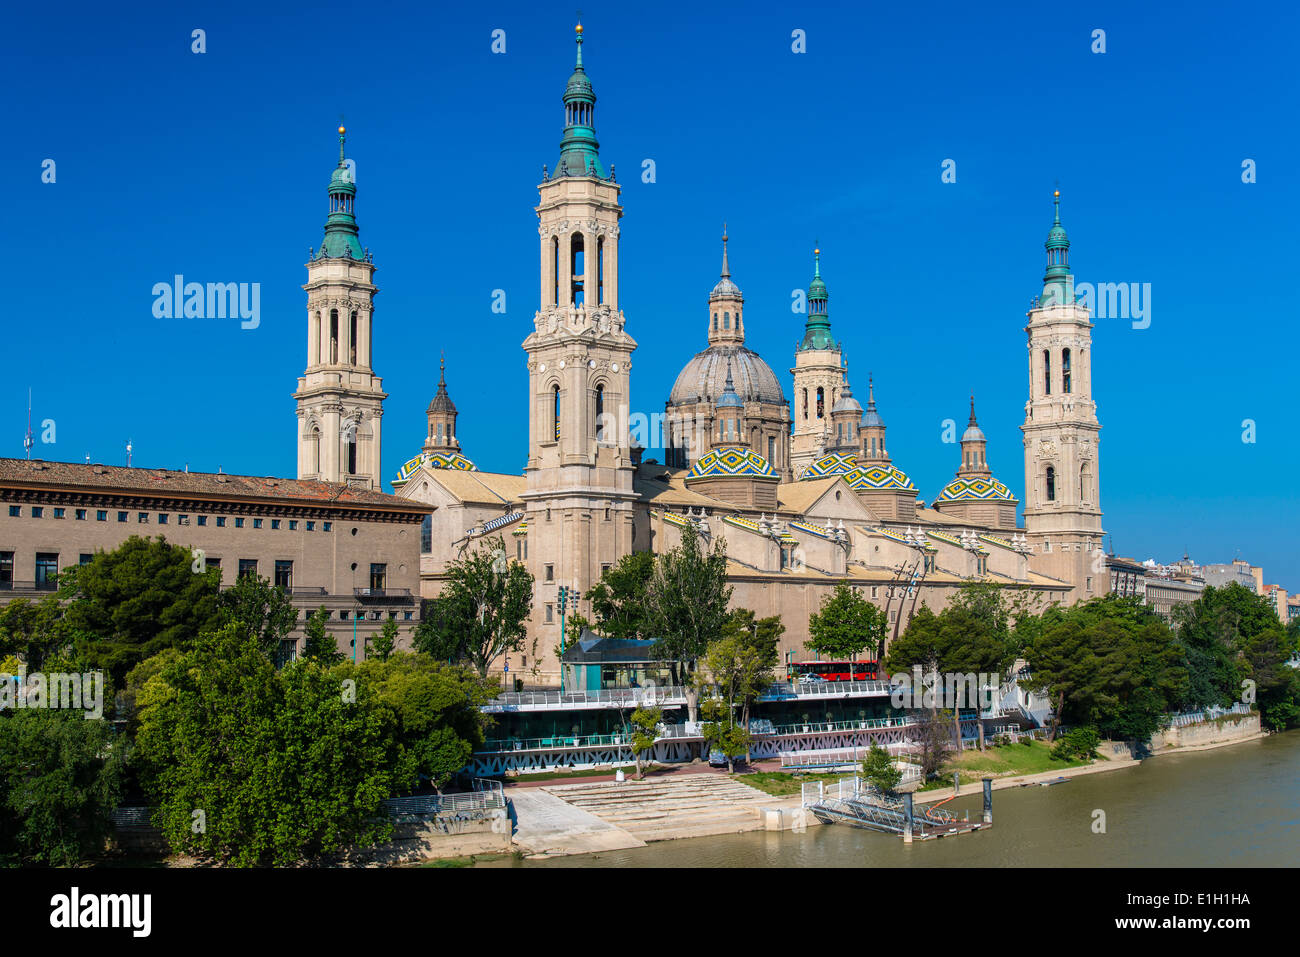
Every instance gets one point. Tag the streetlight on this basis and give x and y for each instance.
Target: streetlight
(564, 601)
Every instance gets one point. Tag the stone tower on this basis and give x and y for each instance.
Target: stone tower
(1062, 498)
(340, 399)
(818, 377)
(442, 417)
(579, 472)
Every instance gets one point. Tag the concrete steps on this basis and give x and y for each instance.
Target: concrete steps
(693, 805)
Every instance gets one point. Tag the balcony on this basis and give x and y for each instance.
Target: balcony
(383, 596)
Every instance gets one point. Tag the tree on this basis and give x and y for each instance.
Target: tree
(384, 642)
(933, 741)
(320, 645)
(845, 625)
(879, 769)
(644, 726)
(1215, 630)
(763, 633)
(256, 766)
(264, 612)
(686, 605)
(129, 604)
(618, 600)
(738, 671)
(33, 631)
(60, 777)
(437, 707)
(482, 611)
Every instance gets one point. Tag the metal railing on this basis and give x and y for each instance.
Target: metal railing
(1208, 714)
(825, 689)
(865, 724)
(610, 697)
(487, 796)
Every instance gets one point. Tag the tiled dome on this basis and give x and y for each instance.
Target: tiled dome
(435, 460)
(836, 463)
(875, 477)
(704, 378)
(731, 460)
(966, 489)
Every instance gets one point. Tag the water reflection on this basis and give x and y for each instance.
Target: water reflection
(1235, 806)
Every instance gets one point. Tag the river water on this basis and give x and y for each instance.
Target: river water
(1237, 806)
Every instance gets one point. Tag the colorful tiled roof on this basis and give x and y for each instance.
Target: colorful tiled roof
(731, 460)
(672, 518)
(875, 477)
(435, 460)
(979, 489)
(809, 527)
(836, 463)
(741, 522)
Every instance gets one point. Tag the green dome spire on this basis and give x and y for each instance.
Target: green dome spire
(579, 150)
(817, 330)
(1058, 284)
(341, 237)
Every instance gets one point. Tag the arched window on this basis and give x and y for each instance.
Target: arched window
(726, 320)
(577, 268)
(600, 412)
(555, 269)
(313, 452)
(600, 270)
(352, 451)
(1047, 372)
(555, 410)
(715, 322)
(1065, 371)
(352, 339)
(1051, 484)
(334, 335)
(439, 442)
(1085, 482)
(805, 403)
(821, 402)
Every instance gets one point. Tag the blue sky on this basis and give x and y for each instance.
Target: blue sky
(215, 166)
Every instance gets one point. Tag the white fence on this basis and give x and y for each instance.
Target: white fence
(1208, 714)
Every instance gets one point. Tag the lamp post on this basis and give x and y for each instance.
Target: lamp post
(564, 601)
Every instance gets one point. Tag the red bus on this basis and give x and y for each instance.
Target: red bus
(834, 670)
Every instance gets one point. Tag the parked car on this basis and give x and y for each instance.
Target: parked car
(719, 760)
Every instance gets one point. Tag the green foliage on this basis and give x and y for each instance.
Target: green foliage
(686, 599)
(383, 643)
(845, 625)
(879, 769)
(262, 610)
(618, 600)
(282, 765)
(436, 707)
(644, 727)
(320, 645)
(482, 611)
(764, 634)
(33, 631)
(131, 603)
(1077, 743)
(60, 777)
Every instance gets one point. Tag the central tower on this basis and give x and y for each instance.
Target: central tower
(579, 473)
(340, 399)
(818, 376)
(1062, 486)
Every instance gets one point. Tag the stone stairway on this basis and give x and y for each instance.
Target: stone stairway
(692, 805)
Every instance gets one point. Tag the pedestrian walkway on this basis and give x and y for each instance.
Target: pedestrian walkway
(693, 805)
(545, 824)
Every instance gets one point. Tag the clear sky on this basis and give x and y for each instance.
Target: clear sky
(215, 166)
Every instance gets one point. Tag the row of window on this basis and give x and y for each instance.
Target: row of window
(1065, 371)
(164, 518)
(47, 570)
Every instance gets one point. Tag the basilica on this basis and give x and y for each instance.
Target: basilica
(800, 485)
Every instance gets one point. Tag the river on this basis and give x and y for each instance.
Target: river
(1237, 806)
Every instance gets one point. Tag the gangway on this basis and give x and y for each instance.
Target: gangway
(851, 801)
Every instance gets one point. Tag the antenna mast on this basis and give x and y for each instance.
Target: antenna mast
(28, 441)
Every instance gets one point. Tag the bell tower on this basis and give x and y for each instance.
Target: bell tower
(1062, 485)
(579, 491)
(340, 399)
(818, 377)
